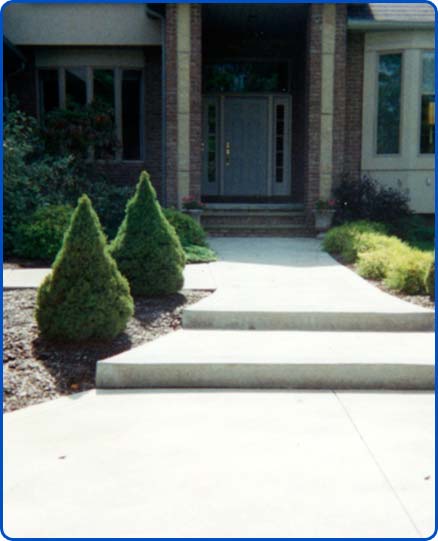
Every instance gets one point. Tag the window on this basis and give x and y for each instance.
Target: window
(388, 109)
(279, 143)
(72, 86)
(48, 90)
(427, 138)
(211, 143)
(246, 77)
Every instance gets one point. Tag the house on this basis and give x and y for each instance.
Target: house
(242, 103)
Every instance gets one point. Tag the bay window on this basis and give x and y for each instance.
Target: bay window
(118, 90)
(427, 134)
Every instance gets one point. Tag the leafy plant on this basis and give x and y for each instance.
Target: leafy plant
(199, 254)
(85, 296)
(408, 270)
(369, 200)
(41, 237)
(187, 229)
(147, 248)
(430, 281)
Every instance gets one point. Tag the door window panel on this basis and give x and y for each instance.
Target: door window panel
(49, 90)
(427, 139)
(75, 86)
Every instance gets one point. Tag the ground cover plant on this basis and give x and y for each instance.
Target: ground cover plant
(85, 297)
(381, 256)
(147, 248)
(192, 237)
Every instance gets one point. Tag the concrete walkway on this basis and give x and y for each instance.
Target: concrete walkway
(221, 464)
(278, 319)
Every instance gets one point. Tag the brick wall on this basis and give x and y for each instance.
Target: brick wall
(339, 93)
(195, 100)
(353, 110)
(312, 134)
(171, 107)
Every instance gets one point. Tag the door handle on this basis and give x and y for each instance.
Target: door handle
(227, 153)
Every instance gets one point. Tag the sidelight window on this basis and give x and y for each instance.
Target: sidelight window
(427, 140)
(388, 109)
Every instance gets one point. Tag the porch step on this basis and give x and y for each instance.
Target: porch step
(275, 360)
(260, 221)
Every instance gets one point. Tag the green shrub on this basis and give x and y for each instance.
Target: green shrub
(344, 239)
(199, 254)
(85, 296)
(430, 281)
(373, 265)
(407, 271)
(187, 229)
(375, 253)
(41, 237)
(147, 248)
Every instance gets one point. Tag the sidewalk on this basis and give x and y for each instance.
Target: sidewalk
(231, 464)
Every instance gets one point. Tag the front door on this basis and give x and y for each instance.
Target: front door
(246, 146)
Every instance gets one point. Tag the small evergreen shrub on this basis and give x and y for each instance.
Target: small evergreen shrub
(85, 296)
(41, 237)
(408, 270)
(430, 281)
(344, 239)
(187, 229)
(146, 248)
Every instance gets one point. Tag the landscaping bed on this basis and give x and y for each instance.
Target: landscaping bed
(393, 265)
(35, 370)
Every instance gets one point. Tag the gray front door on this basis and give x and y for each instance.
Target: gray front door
(245, 152)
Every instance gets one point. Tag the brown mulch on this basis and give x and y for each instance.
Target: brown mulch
(421, 300)
(35, 371)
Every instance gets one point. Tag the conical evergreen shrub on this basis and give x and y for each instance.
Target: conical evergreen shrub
(85, 296)
(146, 248)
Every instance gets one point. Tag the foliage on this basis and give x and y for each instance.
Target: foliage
(80, 129)
(41, 237)
(85, 296)
(192, 203)
(380, 256)
(325, 204)
(38, 173)
(369, 200)
(147, 248)
(416, 231)
(430, 281)
(344, 239)
(408, 270)
(187, 229)
(199, 254)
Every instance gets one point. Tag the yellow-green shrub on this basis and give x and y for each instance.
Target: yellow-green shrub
(430, 281)
(407, 271)
(345, 240)
(375, 252)
(373, 265)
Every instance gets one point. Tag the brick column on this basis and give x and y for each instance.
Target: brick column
(312, 134)
(353, 112)
(184, 101)
(325, 101)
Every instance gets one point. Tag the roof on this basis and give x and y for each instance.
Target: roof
(392, 13)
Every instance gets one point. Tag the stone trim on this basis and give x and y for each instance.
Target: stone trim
(196, 100)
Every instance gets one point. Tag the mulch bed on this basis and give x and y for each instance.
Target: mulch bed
(35, 371)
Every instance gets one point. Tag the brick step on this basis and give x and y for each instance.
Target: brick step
(256, 219)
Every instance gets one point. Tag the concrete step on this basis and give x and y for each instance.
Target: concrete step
(252, 218)
(287, 232)
(275, 360)
(314, 309)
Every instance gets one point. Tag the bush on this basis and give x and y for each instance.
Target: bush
(375, 253)
(368, 200)
(344, 239)
(373, 265)
(41, 237)
(37, 172)
(85, 296)
(430, 281)
(187, 229)
(147, 248)
(199, 254)
(407, 271)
